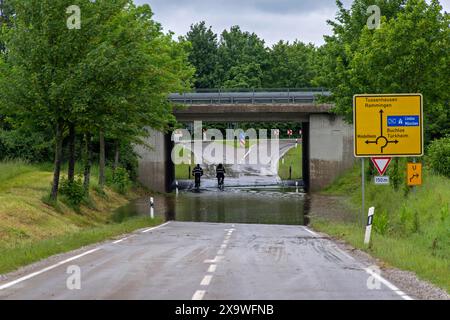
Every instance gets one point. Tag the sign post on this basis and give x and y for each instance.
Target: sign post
(387, 125)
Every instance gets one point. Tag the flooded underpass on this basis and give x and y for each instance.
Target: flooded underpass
(262, 205)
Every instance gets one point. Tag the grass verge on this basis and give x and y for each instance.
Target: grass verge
(292, 159)
(411, 230)
(31, 228)
(26, 253)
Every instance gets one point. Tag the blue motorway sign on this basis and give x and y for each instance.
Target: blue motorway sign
(403, 121)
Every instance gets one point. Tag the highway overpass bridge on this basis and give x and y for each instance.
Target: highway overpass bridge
(327, 139)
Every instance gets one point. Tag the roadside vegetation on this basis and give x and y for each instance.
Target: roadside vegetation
(291, 167)
(31, 230)
(411, 227)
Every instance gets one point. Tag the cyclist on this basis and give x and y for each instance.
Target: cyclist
(197, 173)
(220, 174)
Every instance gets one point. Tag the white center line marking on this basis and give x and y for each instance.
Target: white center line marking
(215, 260)
(220, 252)
(206, 280)
(388, 284)
(34, 274)
(154, 228)
(223, 246)
(226, 241)
(212, 268)
(198, 295)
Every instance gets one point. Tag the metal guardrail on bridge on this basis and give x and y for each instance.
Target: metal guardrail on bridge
(249, 96)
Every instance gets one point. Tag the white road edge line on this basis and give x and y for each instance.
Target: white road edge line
(248, 152)
(388, 284)
(206, 280)
(198, 295)
(157, 227)
(119, 241)
(345, 254)
(311, 232)
(34, 274)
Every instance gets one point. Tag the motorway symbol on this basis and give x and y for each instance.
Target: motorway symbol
(414, 174)
(388, 125)
(381, 163)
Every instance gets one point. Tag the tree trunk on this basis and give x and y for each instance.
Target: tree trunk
(87, 162)
(71, 170)
(116, 155)
(58, 158)
(101, 169)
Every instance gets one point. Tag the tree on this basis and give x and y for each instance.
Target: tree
(409, 54)
(203, 54)
(290, 65)
(335, 56)
(112, 75)
(242, 59)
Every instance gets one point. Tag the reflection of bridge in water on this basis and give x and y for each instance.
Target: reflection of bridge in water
(327, 140)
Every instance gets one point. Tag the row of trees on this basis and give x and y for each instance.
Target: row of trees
(108, 79)
(408, 53)
(241, 60)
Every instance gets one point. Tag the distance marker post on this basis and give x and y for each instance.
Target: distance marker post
(369, 225)
(152, 209)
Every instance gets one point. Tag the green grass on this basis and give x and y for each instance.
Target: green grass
(293, 159)
(183, 170)
(29, 252)
(32, 228)
(411, 229)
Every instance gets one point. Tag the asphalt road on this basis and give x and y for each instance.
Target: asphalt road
(189, 260)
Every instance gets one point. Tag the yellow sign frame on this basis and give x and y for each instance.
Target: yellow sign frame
(388, 125)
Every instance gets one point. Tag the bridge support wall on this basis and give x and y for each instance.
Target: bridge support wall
(330, 149)
(155, 170)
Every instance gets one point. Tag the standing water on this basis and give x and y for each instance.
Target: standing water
(270, 205)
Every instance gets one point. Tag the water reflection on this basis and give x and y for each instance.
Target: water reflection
(240, 205)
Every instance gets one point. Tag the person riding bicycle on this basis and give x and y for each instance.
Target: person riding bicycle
(197, 173)
(220, 174)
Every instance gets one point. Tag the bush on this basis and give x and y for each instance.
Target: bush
(73, 191)
(121, 180)
(439, 156)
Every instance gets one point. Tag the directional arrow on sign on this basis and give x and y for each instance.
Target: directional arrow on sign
(381, 163)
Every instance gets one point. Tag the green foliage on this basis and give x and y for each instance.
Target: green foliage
(241, 60)
(72, 191)
(439, 156)
(408, 53)
(203, 54)
(121, 180)
(26, 144)
(381, 222)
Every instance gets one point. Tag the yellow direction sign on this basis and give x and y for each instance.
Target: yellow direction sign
(414, 174)
(388, 125)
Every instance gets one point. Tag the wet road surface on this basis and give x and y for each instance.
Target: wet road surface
(191, 260)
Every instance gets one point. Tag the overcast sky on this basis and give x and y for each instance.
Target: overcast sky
(272, 20)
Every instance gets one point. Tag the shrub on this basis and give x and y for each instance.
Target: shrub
(121, 180)
(73, 191)
(439, 156)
